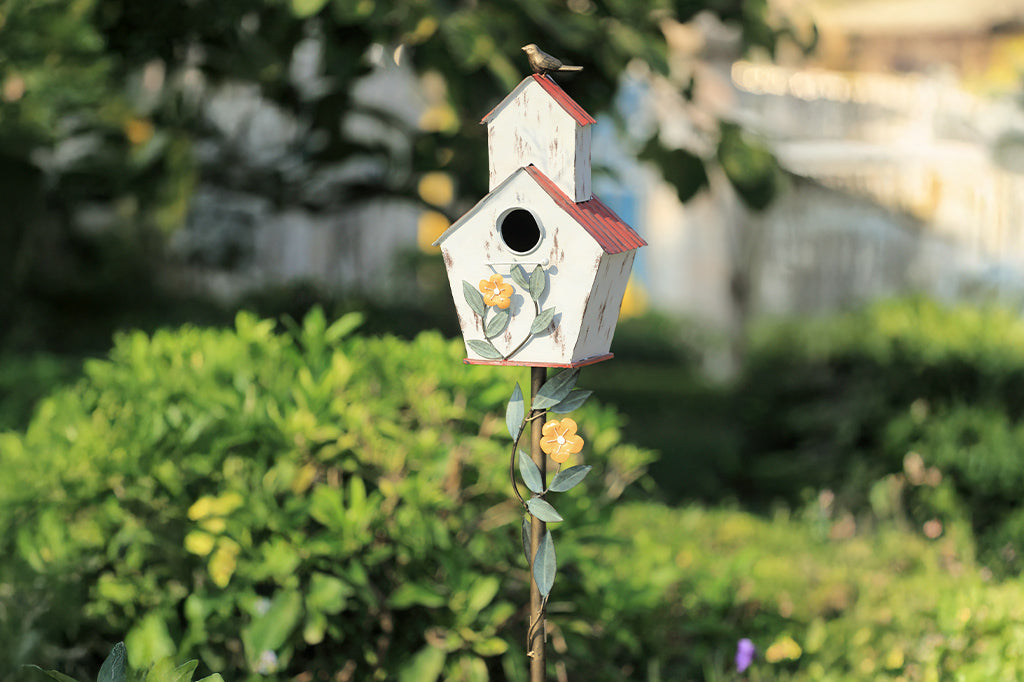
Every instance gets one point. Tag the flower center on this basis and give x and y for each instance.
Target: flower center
(497, 291)
(561, 440)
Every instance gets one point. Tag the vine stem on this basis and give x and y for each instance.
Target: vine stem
(536, 634)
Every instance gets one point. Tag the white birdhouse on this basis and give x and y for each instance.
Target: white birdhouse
(539, 266)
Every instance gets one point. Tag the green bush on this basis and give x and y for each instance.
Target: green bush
(279, 504)
(841, 403)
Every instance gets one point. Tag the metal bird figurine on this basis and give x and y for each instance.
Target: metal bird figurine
(543, 63)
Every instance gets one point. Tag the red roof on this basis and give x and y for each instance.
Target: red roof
(607, 229)
(581, 117)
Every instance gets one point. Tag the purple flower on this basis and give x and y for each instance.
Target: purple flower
(745, 651)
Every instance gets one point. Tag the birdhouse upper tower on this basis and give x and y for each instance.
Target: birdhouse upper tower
(538, 124)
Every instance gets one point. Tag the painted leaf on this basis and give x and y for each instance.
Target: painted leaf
(519, 277)
(573, 401)
(526, 537)
(543, 510)
(473, 297)
(496, 324)
(531, 475)
(566, 479)
(484, 349)
(542, 321)
(515, 412)
(115, 668)
(538, 282)
(544, 565)
(556, 389)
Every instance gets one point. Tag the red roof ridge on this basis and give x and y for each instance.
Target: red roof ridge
(579, 115)
(609, 230)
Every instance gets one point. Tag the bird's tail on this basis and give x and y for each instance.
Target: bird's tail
(566, 67)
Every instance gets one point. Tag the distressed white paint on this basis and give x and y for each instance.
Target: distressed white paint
(530, 127)
(585, 284)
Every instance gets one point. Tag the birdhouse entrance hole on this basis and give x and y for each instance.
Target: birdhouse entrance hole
(519, 230)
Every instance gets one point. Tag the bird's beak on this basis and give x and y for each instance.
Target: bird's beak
(523, 48)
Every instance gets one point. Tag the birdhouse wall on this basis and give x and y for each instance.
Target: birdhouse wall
(532, 128)
(474, 251)
(601, 311)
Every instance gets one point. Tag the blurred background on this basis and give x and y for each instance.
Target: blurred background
(822, 344)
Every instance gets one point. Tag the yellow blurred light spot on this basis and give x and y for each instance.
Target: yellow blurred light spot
(222, 566)
(198, 542)
(783, 649)
(634, 301)
(426, 27)
(138, 130)
(894, 659)
(430, 226)
(436, 188)
(439, 118)
(214, 524)
(14, 88)
(201, 508)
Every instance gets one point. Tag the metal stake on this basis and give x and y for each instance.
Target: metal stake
(535, 646)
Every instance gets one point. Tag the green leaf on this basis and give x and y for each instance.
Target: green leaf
(496, 324)
(543, 510)
(526, 532)
(304, 9)
(573, 401)
(569, 478)
(538, 283)
(519, 277)
(150, 642)
(484, 349)
(52, 674)
(544, 565)
(411, 594)
(473, 297)
(425, 666)
(115, 668)
(515, 411)
(531, 473)
(270, 631)
(555, 389)
(164, 671)
(495, 646)
(542, 321)
(481, 594)
(212, 678)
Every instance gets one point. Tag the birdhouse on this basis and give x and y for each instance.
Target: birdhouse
(539, 266)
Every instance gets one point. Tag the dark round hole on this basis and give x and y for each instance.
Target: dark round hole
(519, 230)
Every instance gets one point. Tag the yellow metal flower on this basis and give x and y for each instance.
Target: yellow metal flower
(496, 292)
(559, 439)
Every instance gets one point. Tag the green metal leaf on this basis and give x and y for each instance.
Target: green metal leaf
(573, 401)
(473, 297)
(52, 674)
(515, 412)
(567, 479)
(496, 324)
(542, 321)
(531, 475)
(543, 510)
(555, 389)
(526, 537)
(115, 668)
(544, 565)
(538, 283)
(484, 349)
(519, 277)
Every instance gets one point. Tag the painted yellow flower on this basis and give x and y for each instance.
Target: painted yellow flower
(496, 292)
(559, 439)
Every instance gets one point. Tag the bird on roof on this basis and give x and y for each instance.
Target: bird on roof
(543, 63)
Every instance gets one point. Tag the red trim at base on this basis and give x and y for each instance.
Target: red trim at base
(516, 363)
